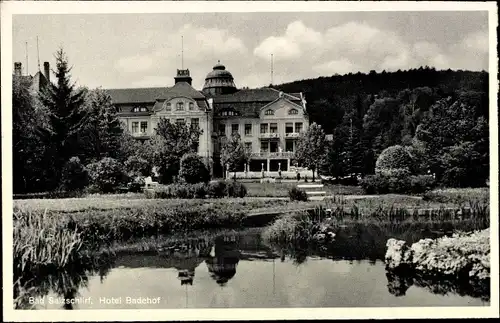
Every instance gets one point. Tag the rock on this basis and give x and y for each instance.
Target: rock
(398, 254)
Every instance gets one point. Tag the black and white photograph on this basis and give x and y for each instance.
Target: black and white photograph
(278, 159)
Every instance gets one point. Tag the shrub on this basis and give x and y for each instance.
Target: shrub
(193, 170)
(296, 194)
(137, 166)
(107, 174)
(375, 184)
(74, 175)
(393, 158)
(217, 189)
(422, 183)
(235, 189)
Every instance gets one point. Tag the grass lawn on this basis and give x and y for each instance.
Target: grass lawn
(281, 189)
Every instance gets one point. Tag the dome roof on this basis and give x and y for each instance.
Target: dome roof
(219, 71)
(219, 81)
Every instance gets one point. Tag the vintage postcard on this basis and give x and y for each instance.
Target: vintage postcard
(221, 160)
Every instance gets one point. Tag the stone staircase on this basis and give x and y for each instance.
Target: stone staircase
(314, 191)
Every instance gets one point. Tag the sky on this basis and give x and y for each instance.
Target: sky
(144, 50)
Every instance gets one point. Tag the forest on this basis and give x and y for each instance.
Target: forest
(440, 116)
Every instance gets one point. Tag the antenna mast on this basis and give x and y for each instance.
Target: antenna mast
(26, 58)
(38, 53)
(272, 68)
(182, 52)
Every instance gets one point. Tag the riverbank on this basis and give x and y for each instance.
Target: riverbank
(461, 256)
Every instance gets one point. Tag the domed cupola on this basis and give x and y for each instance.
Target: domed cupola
(219, 81)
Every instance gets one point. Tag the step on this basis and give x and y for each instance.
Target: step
(315, 193)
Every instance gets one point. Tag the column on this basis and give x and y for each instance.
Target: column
(288, 164)
(268, 165)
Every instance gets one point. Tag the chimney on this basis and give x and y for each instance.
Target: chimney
(17, 69)
(46, 70)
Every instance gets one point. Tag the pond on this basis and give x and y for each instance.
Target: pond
(238, 269)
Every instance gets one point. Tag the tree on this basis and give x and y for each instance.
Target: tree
(233, 153)
(32, 168)
(193, 170)
(102, 133)
(311, 148)
(171, 142)
(66, 117)
(454, 140)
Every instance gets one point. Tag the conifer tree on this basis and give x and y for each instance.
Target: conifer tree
(66, 117)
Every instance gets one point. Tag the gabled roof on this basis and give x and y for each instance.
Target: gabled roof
(255, 95)
(248, 103)
(136, 95)
(151, 94)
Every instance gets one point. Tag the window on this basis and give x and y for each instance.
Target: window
(263, 128)
(180, 121)
(298, 127)
(288, 127)
(269, 112)
(248, 146)
(248, 129)
(195, 123)
(274, 128)
(293, 111)
(264, 146)
(135, 127)
(273, 146)
(168, 106)
(191, 106)
(180, 106)
(139, 109)
(289, 145)
(144, 126)
(235, 128)
(222, 129)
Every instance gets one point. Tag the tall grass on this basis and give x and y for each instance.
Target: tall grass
(301, 227)
(41, 242)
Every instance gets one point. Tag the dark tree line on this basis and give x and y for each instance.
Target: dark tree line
(441, 116)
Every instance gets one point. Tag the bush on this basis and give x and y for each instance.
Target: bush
(107, 174)
(375, 184)
(393, 158)
(422, 183)
(297, 194)
(137, 166)
(74, 175)
(193, 170)
(217, 189)
(397, 182)
(235, 189)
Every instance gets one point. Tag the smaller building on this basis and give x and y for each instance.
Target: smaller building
(39, 81)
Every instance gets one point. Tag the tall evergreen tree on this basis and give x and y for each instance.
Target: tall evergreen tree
(66, 117)
(102, 133)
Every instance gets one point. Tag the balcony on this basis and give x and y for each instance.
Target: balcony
(291, 135)
(269, 135)
(266, 154)
(141, 135)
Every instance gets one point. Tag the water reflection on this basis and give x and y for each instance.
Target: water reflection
(398, 284)
(30, 292)
(215, 258)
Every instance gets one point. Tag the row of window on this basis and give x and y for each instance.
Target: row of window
(179, 106)
(142, 126)
(272, 147)
(270, 112)
(264, 128)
